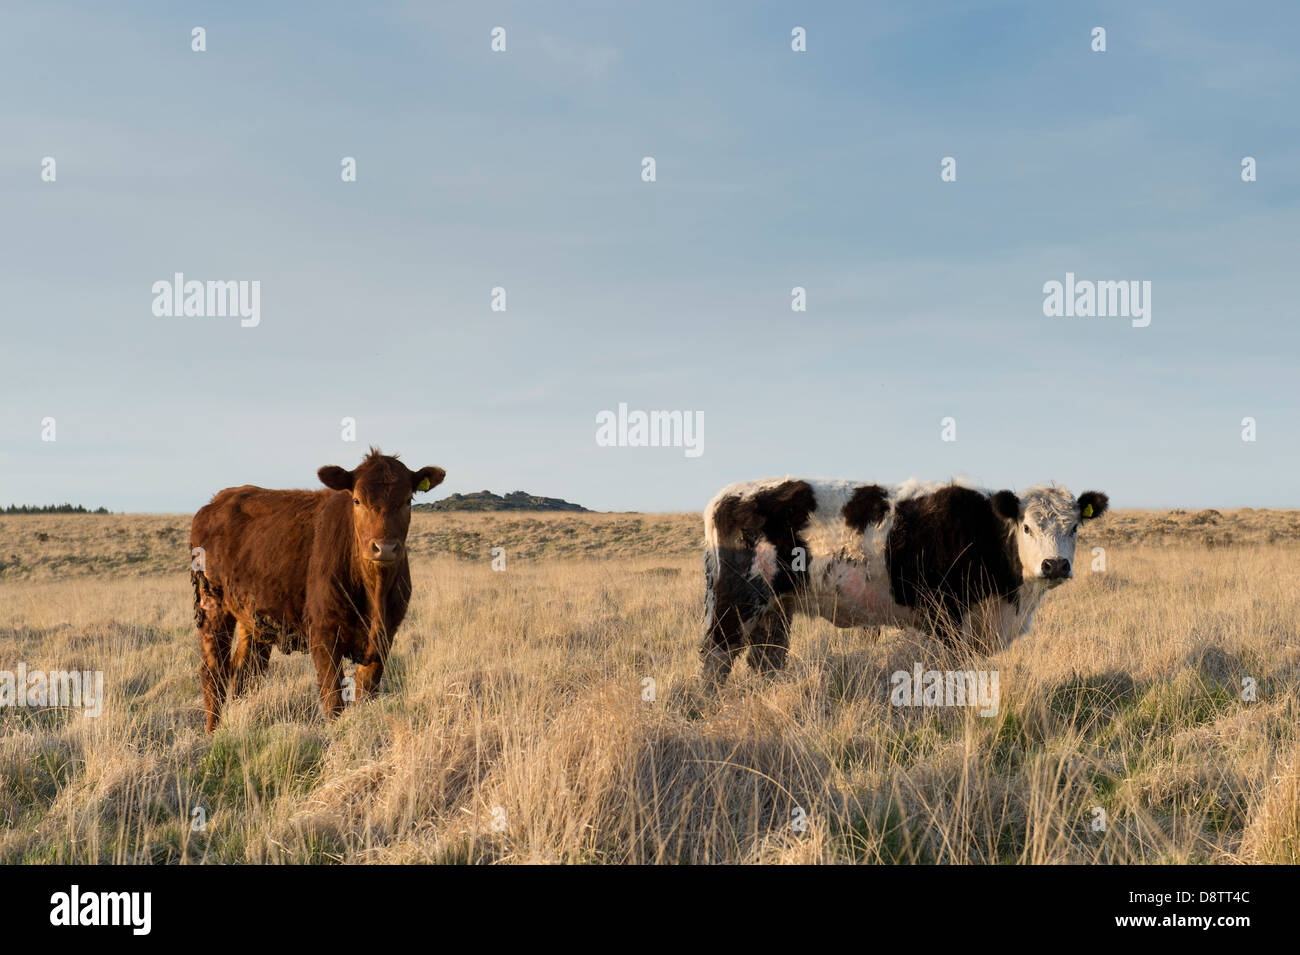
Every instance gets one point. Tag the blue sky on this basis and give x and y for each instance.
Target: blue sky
(775, 169)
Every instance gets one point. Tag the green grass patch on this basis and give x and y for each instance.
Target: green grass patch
(258, 766)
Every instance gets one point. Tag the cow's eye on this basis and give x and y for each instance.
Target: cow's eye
(1026, 528)
(356, 501)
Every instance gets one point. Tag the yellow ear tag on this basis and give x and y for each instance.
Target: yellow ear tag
(424, 486)
(1087, 510)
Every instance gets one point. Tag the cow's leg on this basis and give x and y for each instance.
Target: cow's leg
(722, 645)
(394, 601)
(260, 658)
(216, 631)
(239, 659)
(769, 639)
(990, 625)
(369, 674)
(250, 660)
(215, 640)
(735, 602)
(327, 654)
(944, 618)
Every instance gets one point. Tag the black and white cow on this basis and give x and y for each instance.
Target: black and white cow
(967, 565)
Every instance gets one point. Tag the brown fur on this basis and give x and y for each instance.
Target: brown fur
(296, 569)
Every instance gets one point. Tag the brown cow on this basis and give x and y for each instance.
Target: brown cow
(323, 571)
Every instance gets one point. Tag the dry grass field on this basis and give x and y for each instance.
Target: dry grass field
(513, 725)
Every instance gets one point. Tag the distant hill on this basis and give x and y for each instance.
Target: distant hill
(487, 501)
(51, 509)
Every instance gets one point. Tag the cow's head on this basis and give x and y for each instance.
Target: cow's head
(381, 487)
(1045, 527)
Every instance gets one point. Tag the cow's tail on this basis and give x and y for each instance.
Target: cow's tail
(712, 566)
(207, 602)
(199, 583)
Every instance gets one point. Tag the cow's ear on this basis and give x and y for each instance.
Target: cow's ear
(1006, 505)
(1092, 504)
(426, 479)
(335, 478)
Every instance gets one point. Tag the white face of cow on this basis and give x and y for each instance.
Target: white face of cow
(1047, 529)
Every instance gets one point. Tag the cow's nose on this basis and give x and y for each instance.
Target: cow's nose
(385, 551)
(1056, 568)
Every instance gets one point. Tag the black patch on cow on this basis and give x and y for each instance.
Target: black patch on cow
(777, 515)
(868, 506)
(729, 516)
(782, 514)
(1097, 499)
(948, 550)
(769, 644)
